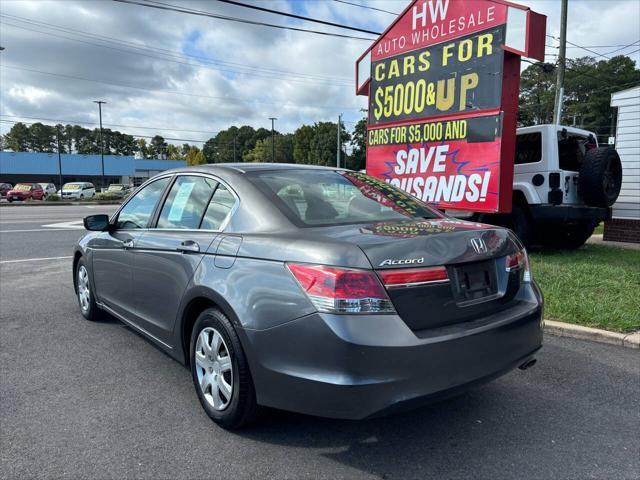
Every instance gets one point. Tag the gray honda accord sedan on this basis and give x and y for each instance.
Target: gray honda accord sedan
(310, 289)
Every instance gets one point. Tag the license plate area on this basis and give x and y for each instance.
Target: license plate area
(475, 282)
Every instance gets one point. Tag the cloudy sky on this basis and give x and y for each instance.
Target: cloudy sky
(187, 76)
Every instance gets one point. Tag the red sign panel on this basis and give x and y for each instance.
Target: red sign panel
(443, 98)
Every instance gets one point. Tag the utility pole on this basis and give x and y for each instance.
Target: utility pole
(100, 102)
(339, 143)
(562, 62)
(59, 161)
(273, 139)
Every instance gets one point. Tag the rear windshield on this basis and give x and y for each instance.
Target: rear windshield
(323, 198)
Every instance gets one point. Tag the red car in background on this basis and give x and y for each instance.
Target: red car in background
(25, 191)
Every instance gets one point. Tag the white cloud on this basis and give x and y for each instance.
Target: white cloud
(242, 82)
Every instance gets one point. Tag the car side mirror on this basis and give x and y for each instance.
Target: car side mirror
(96, 223)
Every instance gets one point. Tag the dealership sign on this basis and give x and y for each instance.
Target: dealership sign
(443, 84)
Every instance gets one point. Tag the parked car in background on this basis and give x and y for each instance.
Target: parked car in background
(310, 289)
(49, 188)
(4, 189)
(119, 189)
(77, 190)
(25, 191)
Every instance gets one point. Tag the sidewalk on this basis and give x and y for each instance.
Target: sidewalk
(597, 240)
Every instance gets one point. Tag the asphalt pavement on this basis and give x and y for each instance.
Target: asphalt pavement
(83, 399)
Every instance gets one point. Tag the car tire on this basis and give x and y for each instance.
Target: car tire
(231, 407)
(10, 200)
(600, 178)
(85, 292)
(518, 221)
(81, 196)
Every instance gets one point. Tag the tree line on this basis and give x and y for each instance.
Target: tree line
(310, 144)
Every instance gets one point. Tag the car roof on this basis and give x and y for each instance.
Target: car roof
(249, 167)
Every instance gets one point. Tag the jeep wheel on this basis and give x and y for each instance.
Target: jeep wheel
(600, 177)
(518, 221)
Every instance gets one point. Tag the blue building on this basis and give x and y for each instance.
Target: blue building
(46, 167)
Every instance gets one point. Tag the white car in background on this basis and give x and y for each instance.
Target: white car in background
(77, 190)
(49, 188)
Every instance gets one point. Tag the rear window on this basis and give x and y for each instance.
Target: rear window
(572, 148)
(528, 148)
(324, 198)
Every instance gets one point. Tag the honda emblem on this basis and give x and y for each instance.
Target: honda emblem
(478, 245)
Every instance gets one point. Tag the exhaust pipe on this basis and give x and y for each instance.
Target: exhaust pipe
(528, 364)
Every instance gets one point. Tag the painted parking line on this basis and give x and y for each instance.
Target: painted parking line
(23, 260)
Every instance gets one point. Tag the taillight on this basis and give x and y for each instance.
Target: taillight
(342, 290)
(519, 260)
(408, 277)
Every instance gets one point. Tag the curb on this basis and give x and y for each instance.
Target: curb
(59, 204)
(560, 329)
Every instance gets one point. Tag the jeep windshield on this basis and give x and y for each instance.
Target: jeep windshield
(311, 198)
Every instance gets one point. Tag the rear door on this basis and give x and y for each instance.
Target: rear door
(168, 255)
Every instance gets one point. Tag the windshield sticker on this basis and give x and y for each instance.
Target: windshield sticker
(180, 202)
(72, 186)
(22, 188)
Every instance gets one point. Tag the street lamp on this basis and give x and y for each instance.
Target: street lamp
(100, 102)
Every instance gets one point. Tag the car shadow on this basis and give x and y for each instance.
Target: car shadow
(388, 447)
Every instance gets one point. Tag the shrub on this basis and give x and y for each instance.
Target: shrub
(107, 196)
(52, 197)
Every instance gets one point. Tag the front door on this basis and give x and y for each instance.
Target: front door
(113, 251)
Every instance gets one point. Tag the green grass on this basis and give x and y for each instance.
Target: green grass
(596, 286)
(599, 229)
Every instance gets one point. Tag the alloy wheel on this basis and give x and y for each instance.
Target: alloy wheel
(84, 294)
(214, 368)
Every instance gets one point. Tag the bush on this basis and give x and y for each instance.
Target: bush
(107, 196)
(52, 197)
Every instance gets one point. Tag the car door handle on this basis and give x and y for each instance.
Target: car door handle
(128, 243)
(189, 246)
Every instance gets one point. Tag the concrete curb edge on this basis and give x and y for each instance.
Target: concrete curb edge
(561, 329)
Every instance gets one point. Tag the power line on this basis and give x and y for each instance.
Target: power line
(286, 14)
(58, 120)
(301, 79)
(163, 51)
(172, 92)
(202, 13)
(137, 136)
(367, 7)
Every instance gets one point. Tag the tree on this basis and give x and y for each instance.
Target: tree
(142, 148)
(194, 156)
(302, 138)
(18, 138)
(537, 95)
(358, 158)
(263, 152)
(323, 147)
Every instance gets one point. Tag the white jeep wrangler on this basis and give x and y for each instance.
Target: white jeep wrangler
(564, 186)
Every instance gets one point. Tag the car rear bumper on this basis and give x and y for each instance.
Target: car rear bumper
(353, 367)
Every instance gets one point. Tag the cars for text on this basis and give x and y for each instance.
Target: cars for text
(310, 289)
(25, 191)
(78, 190)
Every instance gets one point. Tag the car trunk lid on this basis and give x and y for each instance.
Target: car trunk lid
(471, 255)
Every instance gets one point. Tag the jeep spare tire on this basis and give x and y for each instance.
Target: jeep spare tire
(600, 177)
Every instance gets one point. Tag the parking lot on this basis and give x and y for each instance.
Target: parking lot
(95, 400)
